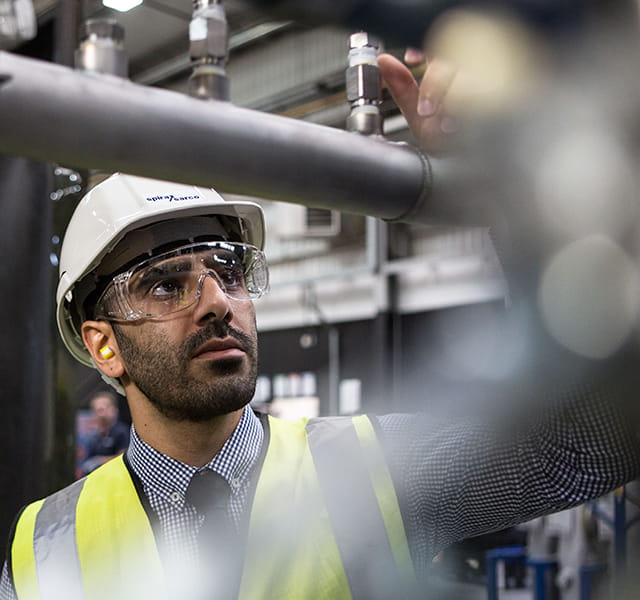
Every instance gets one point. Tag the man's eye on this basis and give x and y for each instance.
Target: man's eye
(232, 275)
(166, 288)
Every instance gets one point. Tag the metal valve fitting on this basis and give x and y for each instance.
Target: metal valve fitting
(101, 48)
(209, 50)
(364, 89)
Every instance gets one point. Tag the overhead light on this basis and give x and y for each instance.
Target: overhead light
(121, 5)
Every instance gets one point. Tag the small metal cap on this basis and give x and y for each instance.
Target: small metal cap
(103, 28)
(362, 39)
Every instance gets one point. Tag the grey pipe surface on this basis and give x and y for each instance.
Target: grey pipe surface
(87, 120)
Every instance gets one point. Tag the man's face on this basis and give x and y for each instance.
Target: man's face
(195, 364)
(104, 410)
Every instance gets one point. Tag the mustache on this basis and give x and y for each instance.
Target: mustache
(217, 329)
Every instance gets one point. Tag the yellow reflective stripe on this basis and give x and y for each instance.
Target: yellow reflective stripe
(386, 496)
(116, 545)
(291, 550)
(353, 508)
(23, 562)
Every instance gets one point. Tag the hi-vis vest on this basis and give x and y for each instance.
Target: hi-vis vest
(324, 524)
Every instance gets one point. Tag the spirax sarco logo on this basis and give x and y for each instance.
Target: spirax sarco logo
(171, 198)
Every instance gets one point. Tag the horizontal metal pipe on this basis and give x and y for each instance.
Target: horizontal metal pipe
(86, 120)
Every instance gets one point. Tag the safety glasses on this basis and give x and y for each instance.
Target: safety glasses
(172, 281)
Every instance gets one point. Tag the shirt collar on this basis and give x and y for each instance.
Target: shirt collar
(167, 476)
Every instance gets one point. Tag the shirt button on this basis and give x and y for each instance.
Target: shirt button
(175, 497)
(235, 483)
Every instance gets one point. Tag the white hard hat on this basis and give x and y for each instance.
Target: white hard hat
(123, 204)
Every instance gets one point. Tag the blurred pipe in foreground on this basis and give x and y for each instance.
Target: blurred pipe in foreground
(88, 120)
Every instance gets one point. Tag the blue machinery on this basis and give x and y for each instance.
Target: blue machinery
(588, 574)
(513, 554)
(620, 525)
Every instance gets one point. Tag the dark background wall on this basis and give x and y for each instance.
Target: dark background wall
(406, 363)
(27, 351)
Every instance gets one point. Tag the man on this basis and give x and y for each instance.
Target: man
(111, 437)
(155, 290)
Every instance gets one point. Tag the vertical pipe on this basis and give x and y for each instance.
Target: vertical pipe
(60, 412)
(620, 539)
(385, 322)
(67, 25)
(395, 341)
(540, 582)
(492, 579)
(334, 369)
(26, 324)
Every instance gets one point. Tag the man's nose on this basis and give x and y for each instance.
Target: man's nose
(213, 302)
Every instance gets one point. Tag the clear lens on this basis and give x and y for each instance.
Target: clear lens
(173, 281)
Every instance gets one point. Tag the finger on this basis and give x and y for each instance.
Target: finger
(434, 133)
(434, 87)
(413, 56)
(448, 123)
(402, 85)
(404, 89)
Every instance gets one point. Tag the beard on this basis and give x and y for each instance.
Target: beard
(162, 375)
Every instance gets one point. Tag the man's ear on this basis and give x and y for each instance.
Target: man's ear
(100, 341)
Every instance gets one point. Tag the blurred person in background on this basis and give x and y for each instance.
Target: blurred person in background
(111, 436)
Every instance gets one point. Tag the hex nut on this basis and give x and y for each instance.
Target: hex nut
(362, 39)
(363, 82)
(216, 40)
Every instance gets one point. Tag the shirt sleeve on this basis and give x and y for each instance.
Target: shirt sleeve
(461, 479)
(7, 591)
